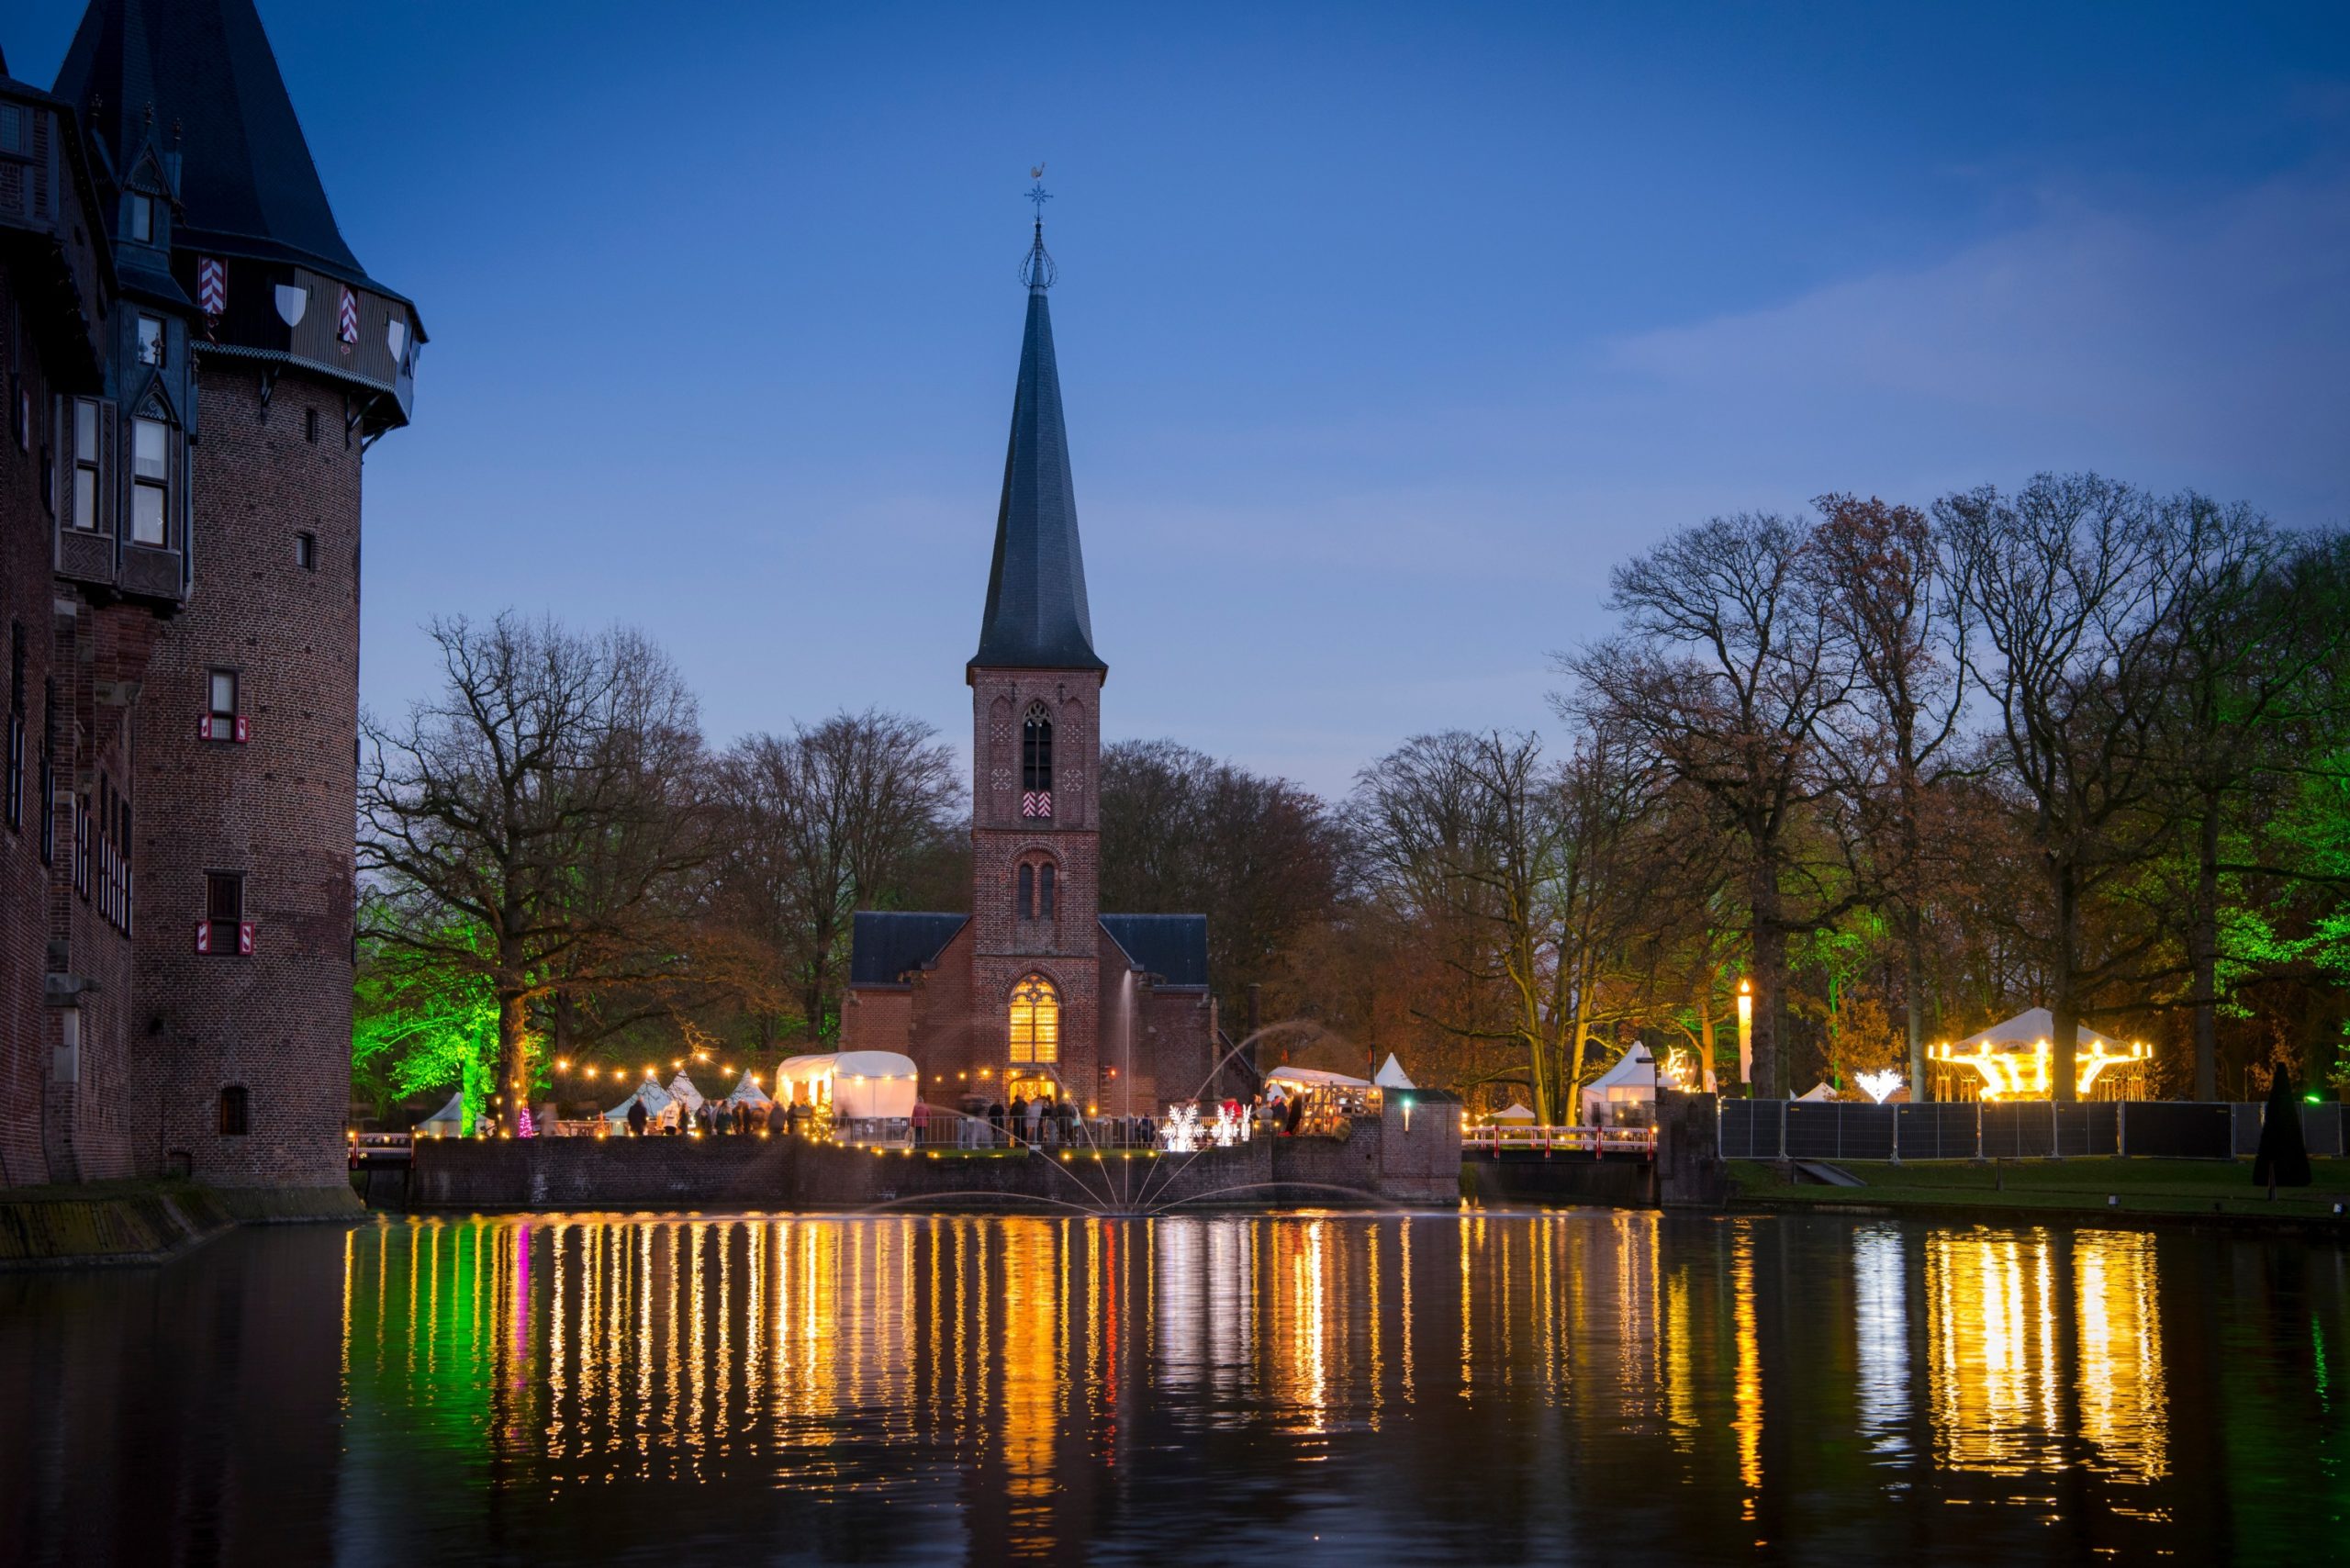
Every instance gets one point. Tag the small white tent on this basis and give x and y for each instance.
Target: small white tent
(682, 1089)
(449, 1121)
(648, 1093)
(1514, 1111)
(1392, 1076)
(1817, 1092)
(749, 1093)
(1625, 1087)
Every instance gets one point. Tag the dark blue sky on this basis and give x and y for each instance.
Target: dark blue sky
(1384, 331)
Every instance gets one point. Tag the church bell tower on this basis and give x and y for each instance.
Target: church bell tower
(1035, 715)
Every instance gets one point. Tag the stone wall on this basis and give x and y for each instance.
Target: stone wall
(1381, 1162)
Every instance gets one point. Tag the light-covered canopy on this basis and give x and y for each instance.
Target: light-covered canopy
(858, 1085)
(1300, 1079)
(2028, 1028)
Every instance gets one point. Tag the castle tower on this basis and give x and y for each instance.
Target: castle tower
(280, 362)
(1036, 714)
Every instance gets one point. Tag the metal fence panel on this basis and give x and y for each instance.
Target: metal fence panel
(2321, 1128)
(2181, 1130)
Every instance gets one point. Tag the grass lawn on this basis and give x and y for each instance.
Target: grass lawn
(2139, 1185)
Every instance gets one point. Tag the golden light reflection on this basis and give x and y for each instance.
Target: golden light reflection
(2122, 1387)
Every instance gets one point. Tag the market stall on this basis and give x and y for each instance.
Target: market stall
(866, 1097)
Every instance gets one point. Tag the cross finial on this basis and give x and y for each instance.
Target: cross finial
(1037, 271)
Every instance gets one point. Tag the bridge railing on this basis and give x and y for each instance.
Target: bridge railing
(1499, 1137)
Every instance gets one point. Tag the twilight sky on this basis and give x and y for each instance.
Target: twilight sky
(1384, 331)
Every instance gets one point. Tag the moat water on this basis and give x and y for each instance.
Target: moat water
(1484, 1387)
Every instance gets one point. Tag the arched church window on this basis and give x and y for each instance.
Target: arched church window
(1027, 904)
(1035, 1020)
(1045, 892)
(1036, 763)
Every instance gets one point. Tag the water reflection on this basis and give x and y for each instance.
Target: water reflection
(957, 1389)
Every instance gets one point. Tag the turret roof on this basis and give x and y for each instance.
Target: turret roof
(201, 76)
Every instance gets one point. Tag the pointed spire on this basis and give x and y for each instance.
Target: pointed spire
(1036, 616)
(247, 187)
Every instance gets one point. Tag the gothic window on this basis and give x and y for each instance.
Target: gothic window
(142, 218)
(151, 340)
(1035, 1022)
(1036, 763)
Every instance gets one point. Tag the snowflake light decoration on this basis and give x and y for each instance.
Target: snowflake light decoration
(1180, 1134)
(1228, 1129)
(1879, 1084)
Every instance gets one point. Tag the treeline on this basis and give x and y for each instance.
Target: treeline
(1903, 771)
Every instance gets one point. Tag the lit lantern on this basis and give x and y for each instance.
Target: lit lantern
(1745, 1031)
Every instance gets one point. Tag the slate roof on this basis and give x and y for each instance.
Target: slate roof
(247, 184)
(1172, 947)
(884, 943)
(1036, 616)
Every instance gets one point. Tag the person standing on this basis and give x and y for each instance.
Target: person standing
(636, 1118)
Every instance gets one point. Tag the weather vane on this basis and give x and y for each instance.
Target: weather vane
(1037, 270)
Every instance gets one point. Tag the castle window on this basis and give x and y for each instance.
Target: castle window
(1036, 763)
(1035, 1022)
(236, 1112)
(150, 491)
(15, 803)
(151, 340)
(310, 426)
(306, 549)
(224, 914)
(1027, 900)
(220, 698)
(1045, 892)
(85, 463)
(142, 217)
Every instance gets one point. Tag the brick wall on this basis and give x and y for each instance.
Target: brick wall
(279, 808)
(24, 601)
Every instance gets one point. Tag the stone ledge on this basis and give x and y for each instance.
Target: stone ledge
(106, 1222)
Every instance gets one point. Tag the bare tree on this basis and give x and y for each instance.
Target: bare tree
(1183, 834)
(534, 822)
(1887, 588)
(2075, 581)
(819, 824)
(1727, 674)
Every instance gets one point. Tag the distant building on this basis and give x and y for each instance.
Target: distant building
(1036, 991)
(194, 365)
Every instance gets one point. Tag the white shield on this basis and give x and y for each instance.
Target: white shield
(396, 337)
(291, 303)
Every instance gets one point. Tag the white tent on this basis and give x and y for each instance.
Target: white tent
(2030, 1026)
(648, 1093)
(1392, 1076)
(682, 1089)
(1513, 1112)
(859, 1086)
(1304, 1080)
(1817, 1092)
(449, 1121)
(747, 1093)
(1630, 1083)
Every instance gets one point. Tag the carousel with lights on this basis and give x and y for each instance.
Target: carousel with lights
(2015, 1060)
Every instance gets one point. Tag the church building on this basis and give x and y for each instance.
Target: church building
(1036, 991)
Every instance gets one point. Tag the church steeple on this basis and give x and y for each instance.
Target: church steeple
(1036, 616)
